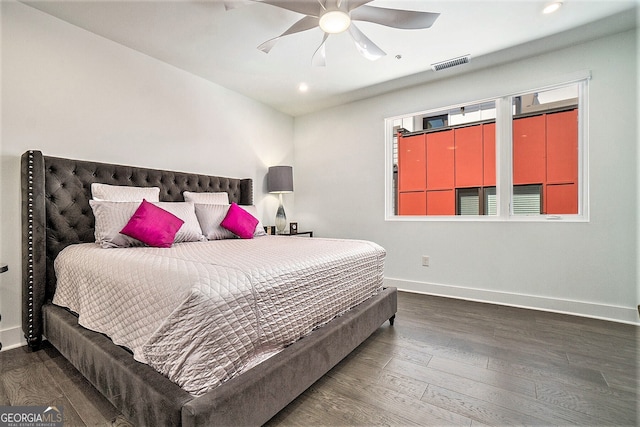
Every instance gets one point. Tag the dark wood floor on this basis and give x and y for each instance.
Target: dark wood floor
(445, 362)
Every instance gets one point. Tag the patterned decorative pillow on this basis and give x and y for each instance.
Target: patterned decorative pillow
(254, 212)
(122, 193)
(153, 226)
(221, 198)
(240, 222)
(111, 217)
(210, 217)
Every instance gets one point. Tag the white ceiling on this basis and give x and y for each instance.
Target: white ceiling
(204, 39)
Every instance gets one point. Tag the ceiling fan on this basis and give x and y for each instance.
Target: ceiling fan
(337, 16)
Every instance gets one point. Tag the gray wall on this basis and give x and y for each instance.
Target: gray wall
(585, 268)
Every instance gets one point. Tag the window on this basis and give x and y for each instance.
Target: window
(545, 151)
(451, 152)
(435, 122)
(514, 157)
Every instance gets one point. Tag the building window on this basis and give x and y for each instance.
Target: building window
(445, 162)
(476, 201)
(527, 200)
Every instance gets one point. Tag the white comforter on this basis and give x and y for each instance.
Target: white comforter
(203, 312)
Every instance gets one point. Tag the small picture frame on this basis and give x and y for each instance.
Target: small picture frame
(270, 229)
(293, 227)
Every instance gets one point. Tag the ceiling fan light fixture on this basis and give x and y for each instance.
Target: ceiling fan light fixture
(552, 7)
(335, 21)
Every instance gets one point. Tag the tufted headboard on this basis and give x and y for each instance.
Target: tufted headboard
(56, 213)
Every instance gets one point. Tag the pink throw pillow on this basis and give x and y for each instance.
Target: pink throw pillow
(153, 226)
(239, 222)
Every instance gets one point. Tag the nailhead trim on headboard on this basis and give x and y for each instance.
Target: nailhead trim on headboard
(30, 336)
(33, 246)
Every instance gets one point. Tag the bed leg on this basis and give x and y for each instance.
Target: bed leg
(392, 319)
(34, 344)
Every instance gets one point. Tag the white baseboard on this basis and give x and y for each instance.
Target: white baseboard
(576, 308)
(12, 338)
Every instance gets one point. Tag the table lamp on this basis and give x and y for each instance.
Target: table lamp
(280, 180)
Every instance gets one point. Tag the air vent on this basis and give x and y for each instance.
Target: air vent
(451, 63)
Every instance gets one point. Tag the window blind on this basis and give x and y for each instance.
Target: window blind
(527, 199)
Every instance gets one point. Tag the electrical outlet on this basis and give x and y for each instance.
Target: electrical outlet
(425, 261)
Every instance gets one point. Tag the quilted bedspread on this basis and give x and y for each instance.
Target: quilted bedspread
(202, 312)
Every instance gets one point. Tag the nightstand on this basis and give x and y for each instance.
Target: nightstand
(299, 233)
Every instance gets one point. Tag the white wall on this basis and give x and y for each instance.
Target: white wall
(70, 93)
(584, 268)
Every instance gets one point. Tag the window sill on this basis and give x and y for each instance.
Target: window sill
(478, 218)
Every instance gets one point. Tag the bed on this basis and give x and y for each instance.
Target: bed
(56, 214)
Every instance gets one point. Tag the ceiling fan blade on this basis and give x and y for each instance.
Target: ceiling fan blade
(319, 58)
(395, 18)
(366, 47)
(307, 7)
(352, 4)
(306, 23)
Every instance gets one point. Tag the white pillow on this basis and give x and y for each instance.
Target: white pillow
(221, 198)
(210, 217)
(122, 193)
(111, 217)
(254, 211)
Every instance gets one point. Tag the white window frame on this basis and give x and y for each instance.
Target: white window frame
(504, 160)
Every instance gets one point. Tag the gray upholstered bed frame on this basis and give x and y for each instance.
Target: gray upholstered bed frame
(56, 213)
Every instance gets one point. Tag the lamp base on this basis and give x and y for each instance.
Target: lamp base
(281, 220)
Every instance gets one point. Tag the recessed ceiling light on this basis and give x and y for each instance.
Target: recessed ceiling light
(552, 7)
(334, 21)
(303, 87)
